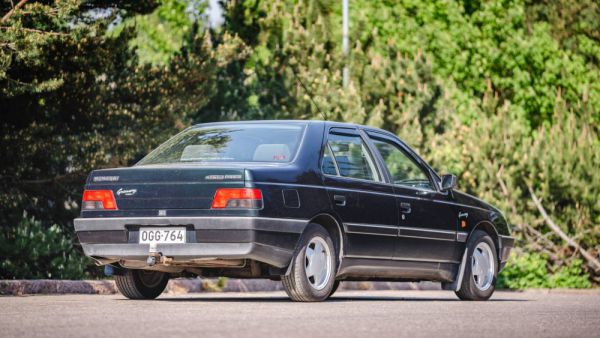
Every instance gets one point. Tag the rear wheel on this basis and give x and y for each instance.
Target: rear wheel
(481, 270)
(312, 274)
(336, 285)
(141, 284)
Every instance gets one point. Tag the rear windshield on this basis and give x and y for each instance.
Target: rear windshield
(230, 143)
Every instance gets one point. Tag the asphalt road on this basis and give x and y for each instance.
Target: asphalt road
(348, 314)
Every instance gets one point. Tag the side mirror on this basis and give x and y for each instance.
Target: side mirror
(448, 182)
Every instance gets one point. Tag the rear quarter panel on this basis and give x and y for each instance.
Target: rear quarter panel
(301, 178)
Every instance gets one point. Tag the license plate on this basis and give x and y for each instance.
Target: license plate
(162, 235)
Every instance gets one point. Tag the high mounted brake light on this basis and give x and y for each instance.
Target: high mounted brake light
(99, 200)
(237, 198)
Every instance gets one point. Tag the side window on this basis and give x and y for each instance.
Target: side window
(403, 169)
(351, 157)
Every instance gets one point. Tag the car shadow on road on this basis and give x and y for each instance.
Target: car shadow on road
(252, 299)
(415, 299)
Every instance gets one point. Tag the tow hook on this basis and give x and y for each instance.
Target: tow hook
(158, 258)
(152, 255)
(151, 260)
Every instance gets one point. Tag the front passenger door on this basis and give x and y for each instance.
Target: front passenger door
(427, 225)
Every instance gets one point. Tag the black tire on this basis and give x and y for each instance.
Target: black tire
(297, 285)
(141, 284)
(469, 289)
(336, 285)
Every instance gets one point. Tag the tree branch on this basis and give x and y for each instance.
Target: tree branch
(523, 227)
(12, 11)
(37, 31)
(592, 261)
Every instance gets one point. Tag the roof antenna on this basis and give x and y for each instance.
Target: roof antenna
(310, 95)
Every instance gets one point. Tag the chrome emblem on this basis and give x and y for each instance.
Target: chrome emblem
(126, 192)
(105, 178)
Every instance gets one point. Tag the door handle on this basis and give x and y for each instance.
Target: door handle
(405, 208)
(339, 200)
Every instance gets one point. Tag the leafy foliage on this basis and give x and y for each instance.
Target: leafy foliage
(31, 250)
(74, 98)
(530, 271)
(503, 93)
(487, 93)
(163, 32)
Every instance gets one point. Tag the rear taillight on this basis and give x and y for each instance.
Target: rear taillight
(237, 198)
(99, 200)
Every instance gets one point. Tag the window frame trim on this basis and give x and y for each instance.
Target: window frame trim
(374, 134)
(356, 132)
(337, 169)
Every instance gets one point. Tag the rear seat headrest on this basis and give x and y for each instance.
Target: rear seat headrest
(272, 152)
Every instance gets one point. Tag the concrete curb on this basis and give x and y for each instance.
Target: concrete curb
(181, 286)
(53, 287)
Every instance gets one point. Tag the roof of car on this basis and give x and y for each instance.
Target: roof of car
(332, 123)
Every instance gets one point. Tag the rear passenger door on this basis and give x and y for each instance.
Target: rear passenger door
(427, 225)
(359, 195)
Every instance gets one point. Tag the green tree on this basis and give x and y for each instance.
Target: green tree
(163, 32)
(484, 91)
(74, 98)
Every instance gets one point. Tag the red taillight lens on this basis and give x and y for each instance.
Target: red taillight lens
(99, 200)
(237, 198)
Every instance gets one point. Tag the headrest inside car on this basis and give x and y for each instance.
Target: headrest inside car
(272, 152)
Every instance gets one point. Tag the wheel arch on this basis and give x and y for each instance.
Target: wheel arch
(490, 229)
(335, 230)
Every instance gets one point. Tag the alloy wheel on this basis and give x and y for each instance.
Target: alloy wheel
(483, 266)
(317, 263)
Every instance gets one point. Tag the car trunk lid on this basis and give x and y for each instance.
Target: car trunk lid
(165, 187)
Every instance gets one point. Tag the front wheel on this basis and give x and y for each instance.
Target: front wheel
(481, 270)
(312, 274)
(141, 284)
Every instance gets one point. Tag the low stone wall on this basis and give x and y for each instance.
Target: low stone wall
(50, 287)
(182, 286)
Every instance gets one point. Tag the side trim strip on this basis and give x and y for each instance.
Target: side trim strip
(371, 229)
(428, 230)
(399, 231)
(430, 238)
(402, 259)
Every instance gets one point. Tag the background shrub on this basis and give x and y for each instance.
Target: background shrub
(529, 270)
(30, 250)
(503, 93)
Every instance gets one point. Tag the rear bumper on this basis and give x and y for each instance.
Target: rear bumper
(268, 240)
